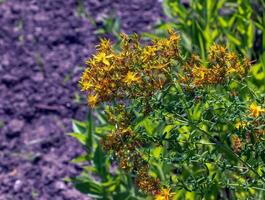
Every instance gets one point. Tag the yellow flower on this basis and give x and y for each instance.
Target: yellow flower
(217, 53)
(92, 100)
(202, 74)
(217, 49)
(232, 56)
(131, 78)
(148, 51)
(174, 37)
(86, 85)
(164, 194)
(241, 124)
(255, 110)
(104, 45)
(102, 57)
(231, 70)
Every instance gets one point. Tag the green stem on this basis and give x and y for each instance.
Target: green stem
(90, 131)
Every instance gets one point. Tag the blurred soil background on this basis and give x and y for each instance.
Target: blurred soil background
(43, 45)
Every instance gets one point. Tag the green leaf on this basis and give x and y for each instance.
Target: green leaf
(196, 113)
(123, 195)
(101, 117)
(100, 162)
(149, 126)
(80, 137)
(210, 6)
(102, 130)
(167, 8)
(201, 42)
(111, 185)
(180, 10)
(78, 126)
(215, 33)
(87, 186)
(231, 21)
(207, 34)
(259, 26)
(223, 23)
(186, 41)
(233, 39)
(220, 4)
(80, 159)
(150, 36)
(250, 34)
(258, 70)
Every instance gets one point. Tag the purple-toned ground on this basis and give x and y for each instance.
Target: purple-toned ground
(42, 46)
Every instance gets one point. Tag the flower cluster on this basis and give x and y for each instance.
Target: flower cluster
(137, 71)
(221, 65)
(256, 123)
(125, 144)
(134, 71)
